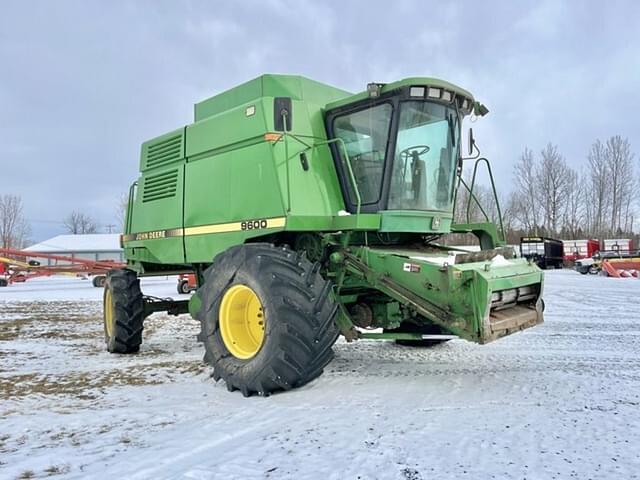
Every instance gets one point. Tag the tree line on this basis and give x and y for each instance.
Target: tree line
(551, 198)
(15, 230)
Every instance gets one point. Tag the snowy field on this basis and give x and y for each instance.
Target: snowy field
(559, 401)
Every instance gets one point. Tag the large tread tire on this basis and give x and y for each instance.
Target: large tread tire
(299, 312)
(127, 310)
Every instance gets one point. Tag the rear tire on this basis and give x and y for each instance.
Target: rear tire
(98, 281)
(123, 312)
(297, 318)
(407, 327)
(4, 282)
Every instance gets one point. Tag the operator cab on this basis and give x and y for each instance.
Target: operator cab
(398, 149)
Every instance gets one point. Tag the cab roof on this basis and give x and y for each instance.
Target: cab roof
(406, 82)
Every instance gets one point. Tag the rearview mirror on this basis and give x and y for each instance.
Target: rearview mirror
(472, 142)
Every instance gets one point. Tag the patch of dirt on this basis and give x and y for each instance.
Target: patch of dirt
(83, 385)
(58, 320)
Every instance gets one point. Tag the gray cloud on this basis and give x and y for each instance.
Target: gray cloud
(84, 83)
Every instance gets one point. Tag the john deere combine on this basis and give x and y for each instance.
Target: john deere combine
(307, 212)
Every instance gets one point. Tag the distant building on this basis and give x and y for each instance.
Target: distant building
(96, 246)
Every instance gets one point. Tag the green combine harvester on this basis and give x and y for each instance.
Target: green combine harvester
(307, 212)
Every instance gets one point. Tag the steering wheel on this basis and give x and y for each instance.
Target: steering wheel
(415, 149)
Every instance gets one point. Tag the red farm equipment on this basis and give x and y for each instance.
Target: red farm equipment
(14, 266)
(187, 283)
(579, 249)
(625, 264)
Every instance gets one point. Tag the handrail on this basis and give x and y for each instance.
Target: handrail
(495, 193)
(127, 226)
(352, 176)
(318, 141)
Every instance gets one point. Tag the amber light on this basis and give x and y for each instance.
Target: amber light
(272, 137)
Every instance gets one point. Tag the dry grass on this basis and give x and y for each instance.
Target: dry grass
(86, 385)
(49, 329)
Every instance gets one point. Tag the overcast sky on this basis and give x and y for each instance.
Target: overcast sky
(83, 83)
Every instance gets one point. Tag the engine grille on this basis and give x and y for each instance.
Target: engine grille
(163, 152)
(161, 185)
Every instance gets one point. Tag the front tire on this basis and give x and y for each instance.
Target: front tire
(267, 317)
(123, 312)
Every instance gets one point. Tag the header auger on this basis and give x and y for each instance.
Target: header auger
(307, 212)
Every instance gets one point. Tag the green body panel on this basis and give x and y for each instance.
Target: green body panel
(216, 178)
(487, 233)
(308, 223)
(415, 221)
(158, 203)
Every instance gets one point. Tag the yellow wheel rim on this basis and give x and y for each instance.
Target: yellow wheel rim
(108, 312)
(242, 321)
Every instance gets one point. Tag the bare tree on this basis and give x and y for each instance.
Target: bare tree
(526, 204)
(14, 229)
(573, 217)
(80, 223)
(619, 168)
(121, 211)
(599, 187)
(552, 177)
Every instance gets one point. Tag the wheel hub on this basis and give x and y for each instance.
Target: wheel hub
(108, 312)
(242, 321)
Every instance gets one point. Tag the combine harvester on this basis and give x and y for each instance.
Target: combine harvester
(13, 270)
(306, 212)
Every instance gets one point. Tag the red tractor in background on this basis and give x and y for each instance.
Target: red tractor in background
(187, 283)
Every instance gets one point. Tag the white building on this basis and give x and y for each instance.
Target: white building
(96, 246)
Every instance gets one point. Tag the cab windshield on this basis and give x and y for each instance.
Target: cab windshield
(420, 170)
(424, 162)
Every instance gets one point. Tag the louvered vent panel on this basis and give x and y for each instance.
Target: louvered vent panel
(164, 152)
(162, 185)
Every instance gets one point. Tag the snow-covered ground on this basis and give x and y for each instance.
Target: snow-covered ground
(561, 400)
